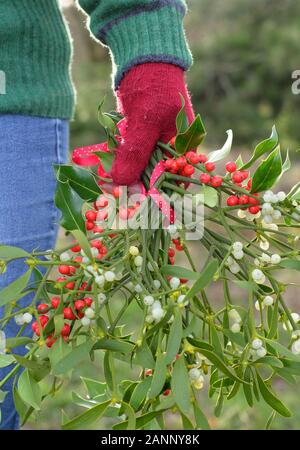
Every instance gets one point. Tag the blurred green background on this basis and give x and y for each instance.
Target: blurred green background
(244, 54)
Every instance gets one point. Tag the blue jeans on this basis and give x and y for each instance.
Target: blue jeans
(29, 146)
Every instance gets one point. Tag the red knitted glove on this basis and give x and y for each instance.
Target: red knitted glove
(149, 98)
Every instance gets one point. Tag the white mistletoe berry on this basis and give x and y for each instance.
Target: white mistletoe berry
(194, 374)
(234, 315)
(19, 319)
(258, 276)
(268, 219)
(100, 280)
(258, 306)
(268, 301)
(238, 254)
(134, 251)
(276, 214)
(181, 299)
(275, 259)
(174, 282)
(101, 298)
(110, 276)
(237, 246)
(85, 321)
(265, 258)
(267, 208)
(296, 347)
(281, 196)
(89, 313)
(65, 257)
(158, 314)
(94, 252)
(235, 328)
(156, 284)
(138, 288)
(268, 196)
(27, 317)
(138, 261)
(241, 214)
(264, 244)
(235, 268)
(148, 300)
(257, 343)
(172, 229)
(261, 352)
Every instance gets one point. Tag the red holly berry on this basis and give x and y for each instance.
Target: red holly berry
(194, 158)
(91, 215)
(68, 314)
(174, 168)
(88, 301)
(232, 200)
(103, 250)
(102, 202)
(102, 215)
(171, 252)
(172, 141)
(169, 164)
(231, 167)
(176, 241)
(254, 209)
(188, 170)
(117, 191)
(148, 373)
(202, 158)
(181, 162)
(244, 174)
(97, 243)
(204, 178)
(97, 229)
(76, 248)
(210, 166)
(50, 340)
(72, 270)
(64, 270)
(66, 330)
(70, 285)
(179, 247)
(216, 181)
(78, 259)
(244, 200)
(237, 177)
(249, 183)
(42, 308)
(79, 304)
(89, 225)
(172, 260)
(254, 201)
(55, 302)
(183, 280)
(167, 392)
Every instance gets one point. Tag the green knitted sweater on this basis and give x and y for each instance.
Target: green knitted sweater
(35, 49)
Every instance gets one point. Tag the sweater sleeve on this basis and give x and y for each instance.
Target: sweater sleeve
(139, 31)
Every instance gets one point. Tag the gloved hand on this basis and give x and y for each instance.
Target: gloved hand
(148, 97)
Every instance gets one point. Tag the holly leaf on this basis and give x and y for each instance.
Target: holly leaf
(223, 152)
(81, 180)
(263, 147)
(107, 159)
(182, 122)
(192, 137)
(70, 205)
(268, 172)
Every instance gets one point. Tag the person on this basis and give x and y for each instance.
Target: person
(150, 55)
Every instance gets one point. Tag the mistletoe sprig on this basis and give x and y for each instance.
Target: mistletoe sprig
(183, 339)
